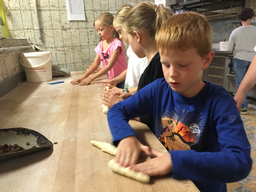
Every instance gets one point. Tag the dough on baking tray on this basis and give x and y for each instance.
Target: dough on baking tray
(126, 171)
(105, 147)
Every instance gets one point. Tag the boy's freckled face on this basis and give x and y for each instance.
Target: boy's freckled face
(183, 71)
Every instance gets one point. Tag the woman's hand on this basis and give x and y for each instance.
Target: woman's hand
(161, 165)
(128, 151)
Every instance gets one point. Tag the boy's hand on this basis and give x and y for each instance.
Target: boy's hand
(161, 165)
(128, 151)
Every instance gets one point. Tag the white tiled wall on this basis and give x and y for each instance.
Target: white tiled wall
(71, 43)
(10, 59)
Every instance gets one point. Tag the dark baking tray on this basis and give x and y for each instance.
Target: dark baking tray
(21, 136)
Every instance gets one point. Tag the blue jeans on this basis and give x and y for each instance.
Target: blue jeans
(240, 68)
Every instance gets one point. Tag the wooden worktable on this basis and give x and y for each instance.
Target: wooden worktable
(72, 116)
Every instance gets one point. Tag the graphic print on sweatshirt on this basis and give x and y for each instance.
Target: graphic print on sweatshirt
(181, 130)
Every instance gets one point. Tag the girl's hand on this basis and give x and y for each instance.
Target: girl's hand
(114, 89)
(125, 95)
(128, 151)
(110, 82)
(76, 81)
(85, 81)
(161, 165)
(109, 97)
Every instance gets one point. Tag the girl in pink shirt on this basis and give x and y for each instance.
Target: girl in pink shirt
(110, 52)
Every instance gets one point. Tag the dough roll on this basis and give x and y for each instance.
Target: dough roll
(126, 171)
(105, 147)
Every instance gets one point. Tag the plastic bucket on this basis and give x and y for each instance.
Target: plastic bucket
(224, 45)
(37, 65)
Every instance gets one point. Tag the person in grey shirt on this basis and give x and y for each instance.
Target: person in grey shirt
(242, 42)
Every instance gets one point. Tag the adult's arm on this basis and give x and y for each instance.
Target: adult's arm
(248, 82)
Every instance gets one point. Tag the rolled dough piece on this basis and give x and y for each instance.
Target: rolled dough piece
(105, 107)
(105, 147)
(126, 171)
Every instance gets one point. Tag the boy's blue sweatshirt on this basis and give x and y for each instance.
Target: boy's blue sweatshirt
(209, 124)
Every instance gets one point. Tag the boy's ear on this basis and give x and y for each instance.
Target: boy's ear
(137, 36)
(208, 60)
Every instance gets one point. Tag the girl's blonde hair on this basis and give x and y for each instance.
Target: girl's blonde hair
(107, 20)
(146, 16)
(185, 31)
(120, 15)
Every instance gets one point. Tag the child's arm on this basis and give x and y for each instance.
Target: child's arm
(90, 70)
(123, 134)
(105, 69)
(131, 92)
(129, 149)
(113, 95)
(117, 79)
